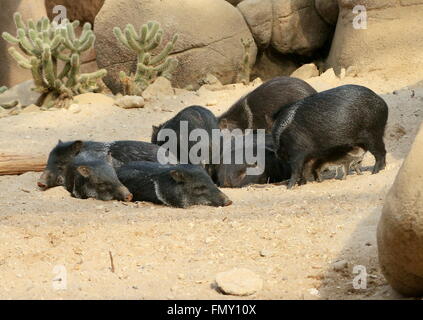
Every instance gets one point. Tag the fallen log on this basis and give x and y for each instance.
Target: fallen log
(13, 164)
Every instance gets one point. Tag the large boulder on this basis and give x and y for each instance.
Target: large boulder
(400, 230)
(10, 72)
(328, 10)
(209, 40)
(259, 16)
(82, 10)
(289, 26)
(297, 27)
(390, 44)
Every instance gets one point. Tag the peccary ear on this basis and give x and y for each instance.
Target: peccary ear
(76, 146)
(223, 123)
(84, 171)
(60, 142)
(178, 176)
(155, 130)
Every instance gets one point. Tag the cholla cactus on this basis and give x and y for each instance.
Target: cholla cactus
(245, 70)
(3, 89)
(44, 44)
(149, 66)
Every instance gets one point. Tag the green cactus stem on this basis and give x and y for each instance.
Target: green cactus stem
(245, 69)
(43, 44)
(3, 89)
(149, 65)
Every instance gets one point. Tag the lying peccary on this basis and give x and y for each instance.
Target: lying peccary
(95, 179)
(342, 159)
(234, 175)
(184, 125)
(255, 110)
(180, 186)
(64, 152)
(347, 116)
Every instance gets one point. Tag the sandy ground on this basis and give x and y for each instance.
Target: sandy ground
(167, 253)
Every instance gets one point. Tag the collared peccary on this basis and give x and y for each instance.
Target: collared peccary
(95, 179)
(185, 127)
(255, 110)
(180, 186)
(344, 160)
(236, 175)
(343, 117)
(64, 152)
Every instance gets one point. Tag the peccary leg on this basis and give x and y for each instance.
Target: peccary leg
(297, 166)
(379, 152)
(357, 168)
(345, 171)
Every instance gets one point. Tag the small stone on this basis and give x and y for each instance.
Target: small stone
(256, 82)
(329, 75)
(313, 292)
(340, 265)
(306, 71)
(130, 102)
(31, 108)
(74, 108)
(239, 282)
(265, 253)
(159, 88)
(211, 103)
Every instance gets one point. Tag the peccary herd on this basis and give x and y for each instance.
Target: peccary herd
(282, 131)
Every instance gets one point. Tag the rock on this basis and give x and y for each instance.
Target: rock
(94, 98)
(343, 74)
(82, 10)
(362, 47)
(400, 229)
(159, 88)
(328, 10)
(259, 17)
(130, 102)
(10, 72)
(31, 108)
(211, 83)
(75, 108)
(21, 92)
(239, 282)
(306, 71)
(265, 253)
(328, 75)
(217, 49)
(340, 265)
(297, 27)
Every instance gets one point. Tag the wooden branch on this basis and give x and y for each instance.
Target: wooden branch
(12, 164)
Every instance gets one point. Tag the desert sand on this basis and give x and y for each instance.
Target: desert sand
(290, 239)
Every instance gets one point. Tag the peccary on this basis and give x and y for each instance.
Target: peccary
(64, 152)
(344, 117)
(342, 160)
(184, 125)
(95, 179)
(233, 175)
(255, 110)
(180, 186)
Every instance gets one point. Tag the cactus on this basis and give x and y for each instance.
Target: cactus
(44, 44)
(3, 89)
(245, 70)
(149, 66)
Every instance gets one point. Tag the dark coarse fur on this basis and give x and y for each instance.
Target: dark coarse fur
(94, 179)
(344, 117)
(255, 110)
(178, 186)
(235, 175)
(198, 118)
(121, 152)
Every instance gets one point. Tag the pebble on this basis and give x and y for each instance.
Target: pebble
(239, 282)
(74, 108)
(340, 265)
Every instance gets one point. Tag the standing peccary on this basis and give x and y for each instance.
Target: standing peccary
(255, 110)
(180, 186)
(64, 152)
(235, 175)
(184, 125)
(344, 117)
(95, 179)
(346, 159)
